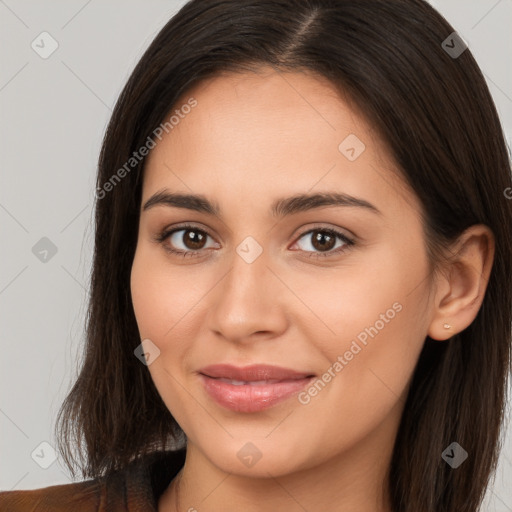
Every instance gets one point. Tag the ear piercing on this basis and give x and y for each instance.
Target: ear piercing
(447, 326)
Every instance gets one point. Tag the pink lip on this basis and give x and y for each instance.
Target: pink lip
(252, 397)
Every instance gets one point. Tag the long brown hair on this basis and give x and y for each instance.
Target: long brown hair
(435, 113)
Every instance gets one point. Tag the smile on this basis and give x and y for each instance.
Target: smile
(254, 388)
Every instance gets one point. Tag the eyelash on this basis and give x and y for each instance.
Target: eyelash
(165, 234)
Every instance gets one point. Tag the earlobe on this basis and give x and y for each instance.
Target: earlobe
(462, 288)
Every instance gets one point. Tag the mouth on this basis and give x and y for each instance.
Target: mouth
(252, 388)
(249, 383)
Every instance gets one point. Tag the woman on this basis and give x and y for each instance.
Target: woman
(301, 293)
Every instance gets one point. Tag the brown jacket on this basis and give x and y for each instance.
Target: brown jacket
(136, 488)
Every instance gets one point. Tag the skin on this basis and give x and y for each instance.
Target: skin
(253, 138)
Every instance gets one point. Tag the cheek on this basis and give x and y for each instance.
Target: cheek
(367, 292)
(148, 300)
(163, 300)
(372, 380)
(374, 316)
(380, 358)
(386, 329)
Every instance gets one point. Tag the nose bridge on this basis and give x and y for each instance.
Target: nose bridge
(247, 274)
(246, 298)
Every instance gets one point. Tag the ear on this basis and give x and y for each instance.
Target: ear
(460, 289)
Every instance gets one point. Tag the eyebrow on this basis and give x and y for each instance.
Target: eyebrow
(280, 208)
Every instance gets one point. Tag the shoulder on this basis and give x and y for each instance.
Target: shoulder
(81, 496)
(136, 487)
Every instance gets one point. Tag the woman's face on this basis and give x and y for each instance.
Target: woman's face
(266, 280)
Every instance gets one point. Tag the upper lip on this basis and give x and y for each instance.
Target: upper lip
(254, 372)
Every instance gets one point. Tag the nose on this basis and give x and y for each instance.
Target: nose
(248, 302)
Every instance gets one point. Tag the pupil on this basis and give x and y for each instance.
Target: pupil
(194, 238)
(320, 243)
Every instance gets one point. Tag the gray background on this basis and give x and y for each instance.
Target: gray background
(54, 112)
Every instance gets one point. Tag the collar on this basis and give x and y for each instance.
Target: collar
(140, 485)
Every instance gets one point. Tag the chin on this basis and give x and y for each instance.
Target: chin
(258, 458)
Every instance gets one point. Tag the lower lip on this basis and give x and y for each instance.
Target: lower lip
(248, 398)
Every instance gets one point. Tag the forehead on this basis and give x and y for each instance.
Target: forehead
(243, 111)
(269, 131)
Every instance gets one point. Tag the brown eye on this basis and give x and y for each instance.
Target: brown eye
(185, 240)
(193, 239)
(324, 242)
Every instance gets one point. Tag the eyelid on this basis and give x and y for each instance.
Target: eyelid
(167, 232)
(348, 240)
(323, 227)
